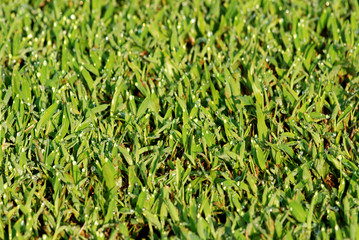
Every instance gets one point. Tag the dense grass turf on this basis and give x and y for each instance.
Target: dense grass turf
(181, 119)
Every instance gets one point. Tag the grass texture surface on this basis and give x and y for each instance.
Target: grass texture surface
(219, 119)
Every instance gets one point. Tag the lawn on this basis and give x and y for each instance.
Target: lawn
(188, 119)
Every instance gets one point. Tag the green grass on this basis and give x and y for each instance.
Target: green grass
(179, 119)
